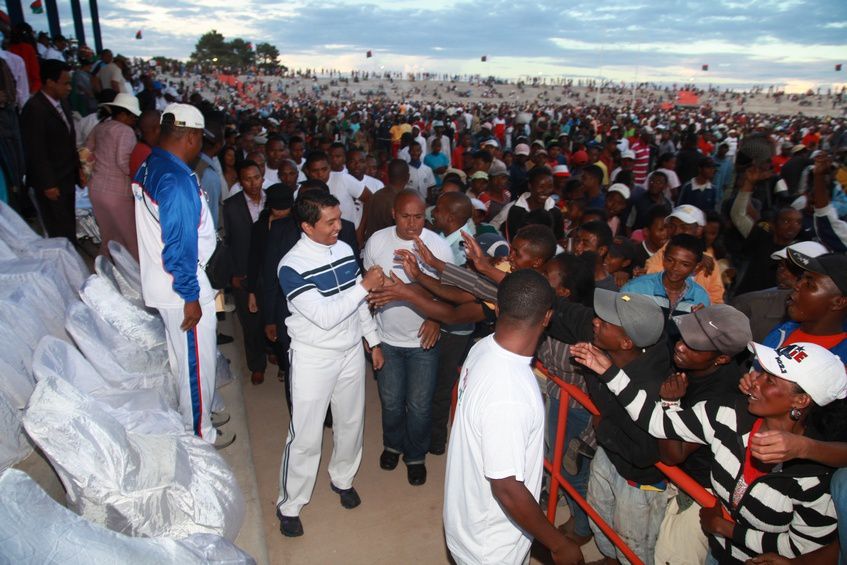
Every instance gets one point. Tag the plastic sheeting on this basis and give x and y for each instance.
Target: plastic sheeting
(139, 408)
(114, 356)
(128, 269)
(17, 234)
(20, 333)
(105, 268)
(135, 484)
(14, 445)
(35, 529)
(29, 284)
(138, 326)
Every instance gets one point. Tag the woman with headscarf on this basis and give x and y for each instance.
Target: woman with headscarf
(111, 142)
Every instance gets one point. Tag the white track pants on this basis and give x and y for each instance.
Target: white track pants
(192, 356)
(316, 382)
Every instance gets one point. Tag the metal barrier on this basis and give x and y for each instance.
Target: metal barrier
(681, 479)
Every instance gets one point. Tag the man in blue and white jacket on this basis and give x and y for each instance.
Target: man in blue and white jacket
(322, 283)
(176, 237)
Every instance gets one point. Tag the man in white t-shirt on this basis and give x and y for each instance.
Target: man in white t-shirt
(356, 165)
(421, 177)
(409, 342)
(495, 460)
(341, 185)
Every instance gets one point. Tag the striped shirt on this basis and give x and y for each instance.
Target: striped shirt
(642, 161)
(788, 511)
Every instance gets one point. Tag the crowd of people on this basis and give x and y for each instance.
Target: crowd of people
(685, 267)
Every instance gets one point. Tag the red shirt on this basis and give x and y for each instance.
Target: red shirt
(138, 156)
(33, 70)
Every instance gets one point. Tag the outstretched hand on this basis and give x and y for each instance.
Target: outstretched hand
(409, 262)
(392, 290)
(427, 256)
(592, 357)
(674, 387)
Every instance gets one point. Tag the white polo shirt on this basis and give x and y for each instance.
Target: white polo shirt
(498, 432)
(346, 189)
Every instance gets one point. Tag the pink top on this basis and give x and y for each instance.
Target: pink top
(111, 142)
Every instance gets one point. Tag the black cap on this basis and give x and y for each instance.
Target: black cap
(832, 265)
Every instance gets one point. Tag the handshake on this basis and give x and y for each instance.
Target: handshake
(374, 278)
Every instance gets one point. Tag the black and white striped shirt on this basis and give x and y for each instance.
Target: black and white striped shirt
(789, 511)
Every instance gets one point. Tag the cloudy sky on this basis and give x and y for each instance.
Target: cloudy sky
(790, 42)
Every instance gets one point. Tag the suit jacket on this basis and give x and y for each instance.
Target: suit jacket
(238, 225)
(283, 235)
(50, 145)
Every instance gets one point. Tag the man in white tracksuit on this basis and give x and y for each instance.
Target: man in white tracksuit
(176, 237)
(322, 283)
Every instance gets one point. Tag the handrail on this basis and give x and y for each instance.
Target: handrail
(680, 478)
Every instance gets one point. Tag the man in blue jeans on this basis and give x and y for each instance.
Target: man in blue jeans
(409, 342)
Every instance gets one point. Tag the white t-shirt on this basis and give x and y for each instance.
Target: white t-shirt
(346, 189)
(420, 179)
(372, 184)
(498, 432)
(398, 322)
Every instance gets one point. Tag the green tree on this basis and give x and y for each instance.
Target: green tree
(241, 52)
(267, 55)
(212, 48)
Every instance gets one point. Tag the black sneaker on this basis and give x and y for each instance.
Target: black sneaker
(290, 526)
(437, 449)
(388, 460)
(349, 497)
(416, 474)
(223, 339)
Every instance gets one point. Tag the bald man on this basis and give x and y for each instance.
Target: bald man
(409, 343)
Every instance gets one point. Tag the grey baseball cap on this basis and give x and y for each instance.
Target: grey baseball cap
(718, 327)
(639, 315)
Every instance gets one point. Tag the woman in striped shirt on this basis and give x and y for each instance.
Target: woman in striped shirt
(784, 509)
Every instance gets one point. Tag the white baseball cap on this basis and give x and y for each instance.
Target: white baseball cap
(689, 214)
(809, 248)
(185, 116)
(621, 189)
(478, 204)
(491, 143)
(522, 149)
(628, 154)
(817, 370)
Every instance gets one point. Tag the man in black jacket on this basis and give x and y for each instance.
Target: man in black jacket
(624, 487)
(283, 235)
(52, 161)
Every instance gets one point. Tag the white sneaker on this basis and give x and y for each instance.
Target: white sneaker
(224, 439)
(220, 418)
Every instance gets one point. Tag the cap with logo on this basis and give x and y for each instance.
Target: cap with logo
(522, 149)
(639, 315)
(688, 214)
(815, 369)
(184, 116)
(832, 265)
(810, 248)
(718, 327)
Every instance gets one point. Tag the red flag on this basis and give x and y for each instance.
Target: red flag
(705, 67)
(138, 34)
(370, 54)
(838, 67)
(484, 58)
(37, 7)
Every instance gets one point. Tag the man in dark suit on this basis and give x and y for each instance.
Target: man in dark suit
(283, 235)
(240, 211)
(52, 161)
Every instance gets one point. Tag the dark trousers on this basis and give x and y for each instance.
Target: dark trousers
(452, 355)
(254, 333)
(59, 215)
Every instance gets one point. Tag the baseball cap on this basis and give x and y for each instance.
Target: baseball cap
(522, 149)
(832, 265)
(809, 248)
(479, 175)
(561, 171)
(628, 154)
(184, 115)
(621, 189)
(478, 205)
(458, 172)
(818, 371)
(491, 143)
(718, 327)
(639, 316)
(579, 158)
(497, 169)
(798, 148)
(493, 244)
(437, 123)
(487, 125)
(688, 214)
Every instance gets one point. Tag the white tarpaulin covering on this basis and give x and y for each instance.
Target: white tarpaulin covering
(135, 484)
(117, 359)
(139, 409)
(32, 285)
(140, 327)
(128, 271)
(105, 268)
(17, 234)
(35, 529)
(20, 332)
(14, 445)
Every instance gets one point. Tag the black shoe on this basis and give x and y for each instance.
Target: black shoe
(349, 497)
(388, 460)
(290, 526)
(416, 474)
(223, 339)
(438, 449)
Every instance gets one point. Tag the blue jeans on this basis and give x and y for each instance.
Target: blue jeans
(406, 385)
(838, 490)
(578, 419)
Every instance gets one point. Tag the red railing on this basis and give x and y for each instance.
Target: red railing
(681, 479)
